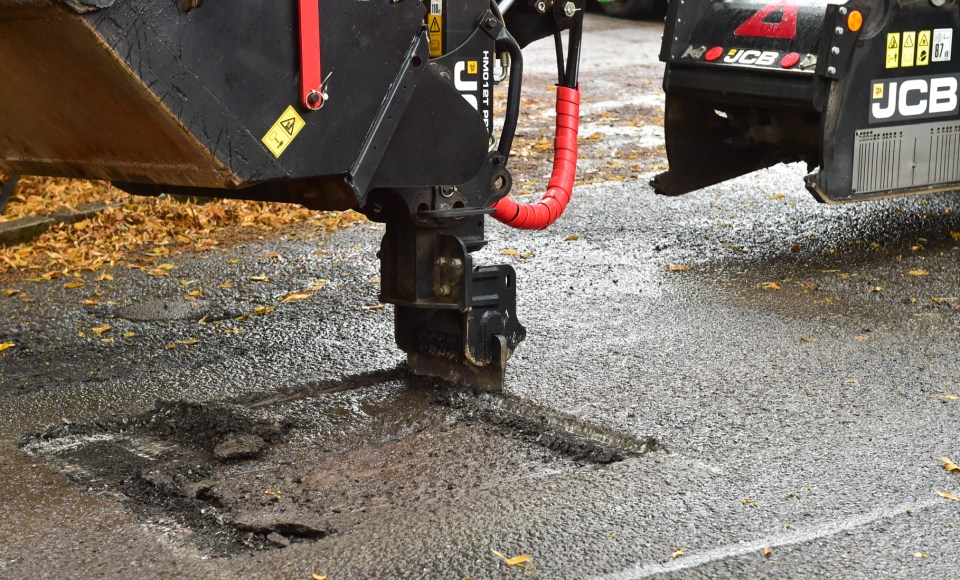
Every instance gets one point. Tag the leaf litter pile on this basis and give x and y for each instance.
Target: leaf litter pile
(139, 232)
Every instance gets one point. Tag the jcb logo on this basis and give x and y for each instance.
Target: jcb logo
(751, 57)
(913, 98)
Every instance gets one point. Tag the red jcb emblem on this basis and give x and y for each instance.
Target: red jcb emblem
(759, 26)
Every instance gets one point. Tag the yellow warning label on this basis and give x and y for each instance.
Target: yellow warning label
(435, 26)
(893, 50)
(473, 67)
(908, 49)
(923, 48)
(878, 90)
(284, 131)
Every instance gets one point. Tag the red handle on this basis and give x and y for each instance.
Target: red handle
(539, 215)
(311, 75)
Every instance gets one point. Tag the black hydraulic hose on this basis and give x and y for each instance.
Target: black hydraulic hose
(572, 78)
(558, 42)
(512, 117)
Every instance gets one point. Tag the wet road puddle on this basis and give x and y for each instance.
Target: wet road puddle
(296, 465)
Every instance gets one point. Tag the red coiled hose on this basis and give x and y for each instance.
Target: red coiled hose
(539, 215)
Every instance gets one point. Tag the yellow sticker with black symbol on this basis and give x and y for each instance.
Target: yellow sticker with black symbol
(923, 48)
(284, 131)
(908, 49)
(893, 50)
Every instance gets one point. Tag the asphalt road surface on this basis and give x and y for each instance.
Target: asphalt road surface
(776, 406)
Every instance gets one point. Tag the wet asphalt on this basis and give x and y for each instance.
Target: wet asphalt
(793, 376)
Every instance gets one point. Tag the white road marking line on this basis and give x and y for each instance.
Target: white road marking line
(783, 539)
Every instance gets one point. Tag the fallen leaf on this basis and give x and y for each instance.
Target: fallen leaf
(571, 238)
(10, 292)
(948, 495)
(317, 286)
(955, 236)
(918, 273)
(91, 302)
(194, 293)
(98, 330)
(226, 285)
(511, 253)
(770, 286)
(951, 397)
(188, 341)
(375, 307)
(949, 465)
(158, 272)
(104, 277)
(234, 261)
(677, 267)
(521, 560)
(767, 551)
(262, 310)
(921, 555)
(677, 554)
(107, 340)
(171, 346)
(861, 338)
(295, 296)
(75, 284)
(81, 225)
(6, 345)
(807, 339)
(877, 289)
(319, 577)
(260, 278)
(128, 335)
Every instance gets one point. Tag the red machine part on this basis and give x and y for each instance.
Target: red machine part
(311, 75)
(539, 215)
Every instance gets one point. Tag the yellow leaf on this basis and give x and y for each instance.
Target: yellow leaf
(91, 302)
(877, 289)
(75, 284)
(918, 273)
(948, 495)
(511, 253)
(861, 338)
(242, 317)
(103, 277)
(295, 296)
(767, 551)
(6, 345)
(158, 272)
(951, 397)
(319, 577)
(234, 261)
(376, 307)
(262, 310)
(770, 286)
(949, 465)
(10, 292)
(807, 339)
(128, 335)
(260, 278)
(317, 286)
(227, 285)
(571, 238)
(107, 340)
(955, 236)
(81, 225)
(166, 267)
(677, 554)
(98, 330)
(188, 341)
(194, 293)
(171, 346)
(521, 560)
(677, 267)
(921, 555)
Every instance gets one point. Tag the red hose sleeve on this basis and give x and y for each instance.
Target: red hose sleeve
(539, 215)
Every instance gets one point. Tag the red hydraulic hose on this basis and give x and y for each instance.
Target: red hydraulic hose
(539, 215)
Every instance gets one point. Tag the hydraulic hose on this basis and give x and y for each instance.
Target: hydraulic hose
(540, 215)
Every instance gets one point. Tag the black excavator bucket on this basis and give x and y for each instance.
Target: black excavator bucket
(382, 106)
(865, 92)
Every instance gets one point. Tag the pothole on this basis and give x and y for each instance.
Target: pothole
(298, 464)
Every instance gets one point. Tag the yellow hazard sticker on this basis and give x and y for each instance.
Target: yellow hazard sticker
(473, 67)
(877, 90)
(284, 131)
(923, 48)
(893, 50)
(435, 28)
(908, 49)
